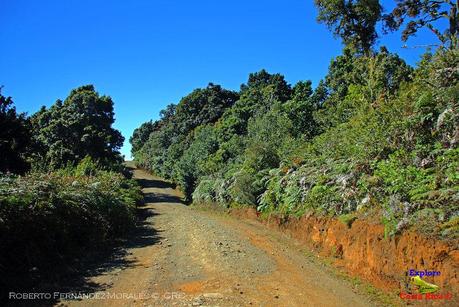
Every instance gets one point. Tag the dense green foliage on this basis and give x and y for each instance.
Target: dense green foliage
(72, 197)
(353, 20)
(166, 143)
(60, 136)
(375, 137)
(78, 127)
(356, 21)
(46, 220)
(15, 137)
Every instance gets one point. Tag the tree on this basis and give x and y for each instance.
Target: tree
(80, 126)
(425, 13)
(173, 133)
(352, 20)
(14, 137)
(141, 135)
(300, 110)
(262, 91)
(372, 78)
(191, 164)
(268, 141)
(168, 113)
(203, 106)
(262, 80)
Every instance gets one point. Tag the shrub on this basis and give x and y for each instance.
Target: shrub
(46, 220)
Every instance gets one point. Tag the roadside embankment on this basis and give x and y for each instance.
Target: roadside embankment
(362, 250)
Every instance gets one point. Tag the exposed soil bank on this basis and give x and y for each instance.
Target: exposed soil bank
(363, 251)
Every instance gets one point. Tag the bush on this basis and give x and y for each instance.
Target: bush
(86, 167)
(48, 220)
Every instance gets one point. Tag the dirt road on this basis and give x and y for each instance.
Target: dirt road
(186, 257)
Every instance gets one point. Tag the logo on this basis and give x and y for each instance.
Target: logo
(416, 288)
(423, 286)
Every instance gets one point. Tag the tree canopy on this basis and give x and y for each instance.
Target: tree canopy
(412, 15)
(374, 134)
(80, 126)
(15, 136)
(352, 20)
(356, 21)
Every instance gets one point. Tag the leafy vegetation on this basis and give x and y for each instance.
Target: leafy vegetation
(47, 220)
(63, 191)
(15, 137)
(376, 136)
(356, 21)
(78, 127)
(60, 136)
(426, 13)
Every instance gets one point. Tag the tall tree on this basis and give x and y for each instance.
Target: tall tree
(80, 126)
(203, 106)
(14, 137)
(352, 20)
(355, 81)
(300, 110)
(262, 91)
(141, 134)
(425, 13)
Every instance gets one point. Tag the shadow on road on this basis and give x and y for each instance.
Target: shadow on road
(77, 280)
(154, 183)
(162, 198)
(152, 197)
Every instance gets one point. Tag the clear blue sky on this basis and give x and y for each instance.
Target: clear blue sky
(147, 54)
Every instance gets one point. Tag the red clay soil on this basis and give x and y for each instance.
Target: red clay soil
(363, 251)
